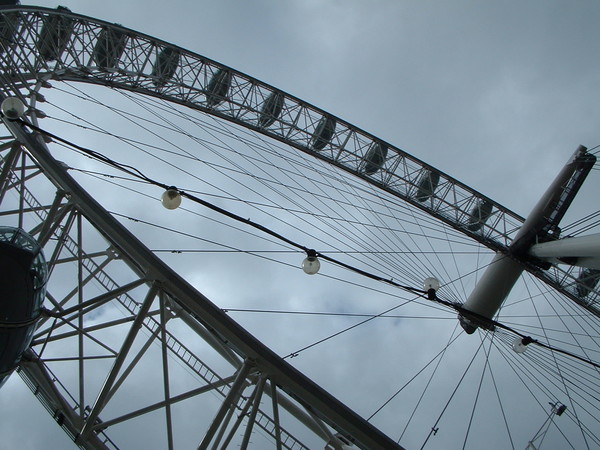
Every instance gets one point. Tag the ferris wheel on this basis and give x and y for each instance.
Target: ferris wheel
(127, 351)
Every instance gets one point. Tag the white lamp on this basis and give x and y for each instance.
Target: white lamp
(171, 198)
(519, 345)
(12, 108)
(311, 264)
(431, 285)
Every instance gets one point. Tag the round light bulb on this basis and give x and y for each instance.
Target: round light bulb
(519, 346)
(311, 265)
(431, 283)
(171, 198)
(12, 108)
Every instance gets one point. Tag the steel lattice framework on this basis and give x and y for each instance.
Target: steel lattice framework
(63, 227)
(41, 45)
(92, 51)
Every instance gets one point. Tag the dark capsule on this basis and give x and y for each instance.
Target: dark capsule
(55, 35)
(587, 281)
(271, 109)
(165, 66)
(23, 274)
(9, 29)
(479, 215)
(427, 185)
(375, 158)
(109, 48)
(218, 87)
(323, 133)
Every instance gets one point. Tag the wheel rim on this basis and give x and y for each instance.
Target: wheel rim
(217, 92)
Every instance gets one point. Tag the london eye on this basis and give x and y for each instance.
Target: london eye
(194, 325)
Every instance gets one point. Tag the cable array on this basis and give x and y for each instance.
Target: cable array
(355, 206)
(430, 294)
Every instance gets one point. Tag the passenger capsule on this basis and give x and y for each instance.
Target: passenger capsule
(165, 66)
(479, 215)
(427, 185)
(375, 158)
(55, 35)
(587, 281)
(9, 28)
(23, 274)
(271, 109)
(218, 87)
(109, 48)
(323, 133)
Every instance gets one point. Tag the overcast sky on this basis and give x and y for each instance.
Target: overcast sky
(495, 94)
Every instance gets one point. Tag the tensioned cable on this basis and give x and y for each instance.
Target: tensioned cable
(568, 309)
(347, 252)
(513, 363)
(345, 330)
(452, 339)
(553, 330)
(229, 225)
(378, 227)
(433, 428)
(537, 377)
(421, 370)
(539, 366)
(500, 403)
(526, 339)
(572, 312)
(233, 249)
(571, 229)
(332, 314)
(478, 392)
(132, 171)
(561, 376)
(263, 256)
(412, 273)
(546, 368)
(265, 205)
(553, 306)
(310, 252)
(543, 381)
(348, 237)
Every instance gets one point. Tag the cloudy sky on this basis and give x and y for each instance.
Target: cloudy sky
(495, 94)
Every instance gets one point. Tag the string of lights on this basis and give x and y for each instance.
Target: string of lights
(172, 199)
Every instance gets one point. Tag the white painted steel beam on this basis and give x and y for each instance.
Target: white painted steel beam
(583, 251)
(542, 223)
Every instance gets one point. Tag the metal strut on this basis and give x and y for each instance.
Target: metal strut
(302, 390)
(540, 226)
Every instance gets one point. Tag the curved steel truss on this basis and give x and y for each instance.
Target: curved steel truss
(109, 267)
(49, 44)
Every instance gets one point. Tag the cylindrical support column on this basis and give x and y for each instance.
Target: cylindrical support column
(581, 251)
(491, 290)
(555, 201)
(504, 271)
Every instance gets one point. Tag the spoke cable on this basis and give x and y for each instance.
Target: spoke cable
(434, 428)
(132, 171)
